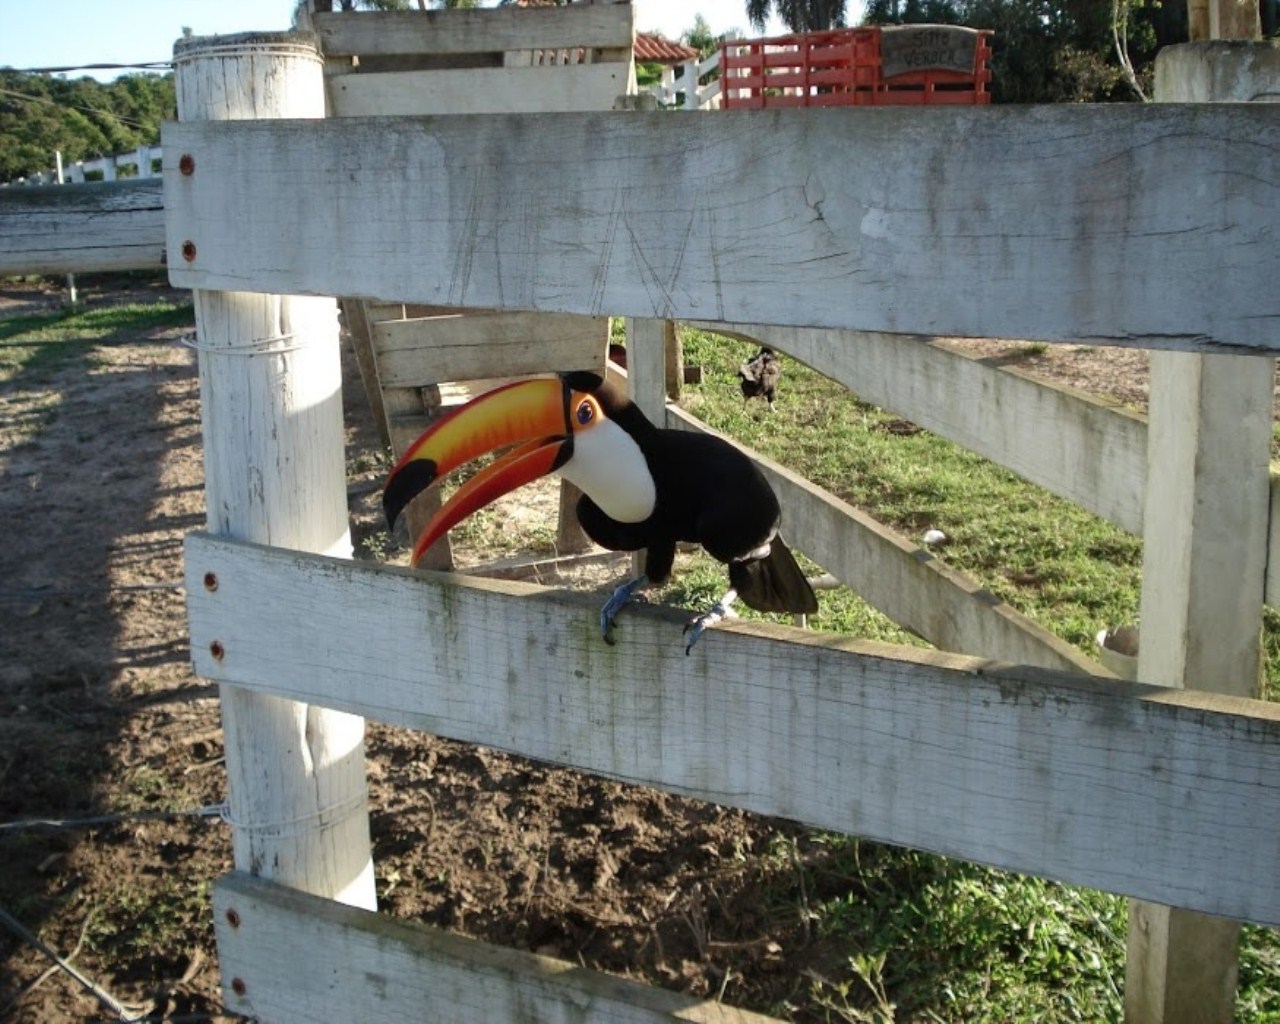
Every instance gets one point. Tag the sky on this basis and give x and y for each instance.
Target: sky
(39, 35)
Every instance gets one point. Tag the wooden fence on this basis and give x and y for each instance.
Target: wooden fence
(846, 239)
(74, 229)
(1060, 224)
(693, 88)
(145, 162)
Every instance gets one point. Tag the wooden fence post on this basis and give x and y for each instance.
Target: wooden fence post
(647, 347)
(270, 383)
(1206, 522)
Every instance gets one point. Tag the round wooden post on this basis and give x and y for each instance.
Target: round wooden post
(270, 385)
(1206, 521)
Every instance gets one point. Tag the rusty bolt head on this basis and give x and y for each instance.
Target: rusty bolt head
(189, 250)
(210, 582)
(187, 164)
(217, 650)
(238, 986)
(233, 917)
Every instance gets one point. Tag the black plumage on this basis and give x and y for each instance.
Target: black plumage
(644, 487)
(759, 376)
(708, 493)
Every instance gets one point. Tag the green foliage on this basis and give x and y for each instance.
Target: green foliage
(1052, 52)
(39, 345)
(82, 117)
(700, 36)
(798, 15)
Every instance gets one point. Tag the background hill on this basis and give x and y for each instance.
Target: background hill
(82, 117)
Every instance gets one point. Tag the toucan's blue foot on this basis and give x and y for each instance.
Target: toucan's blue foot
(722, 609)
(611, 607)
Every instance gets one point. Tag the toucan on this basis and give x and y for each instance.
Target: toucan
(643, 487)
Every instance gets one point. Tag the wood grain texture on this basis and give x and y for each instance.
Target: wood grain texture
(382, 33)
(1203, 582)
(1173, 796)
(72, 229)
(271, 417)
(1202, 594)
(365, 967)
(420, 351)
(900, 220)
(532, 90)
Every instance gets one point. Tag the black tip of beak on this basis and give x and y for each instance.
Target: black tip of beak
(404, 485)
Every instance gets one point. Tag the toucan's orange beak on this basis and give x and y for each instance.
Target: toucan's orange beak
(532, 414)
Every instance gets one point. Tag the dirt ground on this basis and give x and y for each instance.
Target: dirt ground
(101, 716)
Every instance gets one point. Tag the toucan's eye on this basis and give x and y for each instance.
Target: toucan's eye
(586, 413)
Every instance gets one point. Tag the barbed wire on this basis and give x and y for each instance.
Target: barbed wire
(147, 65)
(219, 810)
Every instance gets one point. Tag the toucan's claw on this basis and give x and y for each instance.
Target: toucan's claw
(614, 605)
(698, 626)
(720, 610)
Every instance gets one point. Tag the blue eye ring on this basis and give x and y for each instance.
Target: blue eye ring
(586, 413)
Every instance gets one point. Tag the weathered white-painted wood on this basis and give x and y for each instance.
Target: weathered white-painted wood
(82, 228)
(1085, 449)
(1203, 586)
(271, 410)
(1207, 521)
(1168, 794)
(1220, 71)
(365, 967)
(908, 220)
(532, 90)
(1203, 583)
(905, 581)
(379, 33)
(415, 352)
(359, 335)
(647, 366)
(1273, 545)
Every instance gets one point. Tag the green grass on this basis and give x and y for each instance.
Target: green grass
(40, 345)
(923, 937)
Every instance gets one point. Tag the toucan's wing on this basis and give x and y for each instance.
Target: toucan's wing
(774, 583)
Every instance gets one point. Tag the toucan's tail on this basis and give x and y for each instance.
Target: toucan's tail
(774, 583)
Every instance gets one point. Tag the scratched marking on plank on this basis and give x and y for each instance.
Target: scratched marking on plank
(650, 278)
(601, 279)
(464, 264)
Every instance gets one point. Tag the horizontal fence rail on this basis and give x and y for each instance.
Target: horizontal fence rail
(1145, 791)
(366, 967)
(479, 30)
(72, 229)
(900, 220)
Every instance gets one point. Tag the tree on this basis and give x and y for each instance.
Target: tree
(83, 118)
(798, 15)
(700, 37)
(1056, 51)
